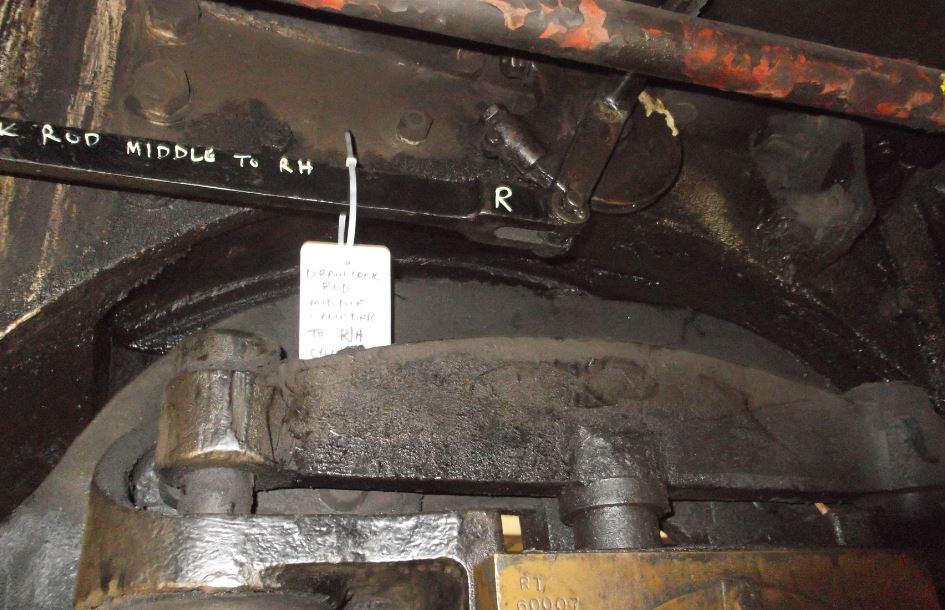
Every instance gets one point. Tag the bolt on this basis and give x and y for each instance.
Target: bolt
(569, 206)
(216, 491)
(491, 112)
(574, 200)
(414, 127)
(161, 92)
(216, 393)
(469, 62)
(173, 21)
(516, 67)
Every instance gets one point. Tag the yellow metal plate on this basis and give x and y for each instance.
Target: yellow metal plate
(675, 579)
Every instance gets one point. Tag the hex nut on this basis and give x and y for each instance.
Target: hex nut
(173, 21)
(161, 92)
(414, 127)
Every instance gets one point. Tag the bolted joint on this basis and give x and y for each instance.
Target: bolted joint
(507, 138)
(615, 513)
(213, 431)
(569, 205)
(173, 21)
(517, 68)
(226, 349)
(161, 92)
(216, 491)
(414, 127)
(214, 418)
(468, 62)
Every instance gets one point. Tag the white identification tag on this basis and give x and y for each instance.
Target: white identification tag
(345, 298)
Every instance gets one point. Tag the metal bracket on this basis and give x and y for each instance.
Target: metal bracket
(303, 185)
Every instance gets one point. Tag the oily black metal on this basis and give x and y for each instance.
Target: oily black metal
(920, 263)
(491, 213)
(592, 145)
(536, 416)
(629, 420)
(41, 542)
(649, 156)
(70, 254)
(815, 170)
(656, 42)
(503, 388)
(595, 142)
(615, 513)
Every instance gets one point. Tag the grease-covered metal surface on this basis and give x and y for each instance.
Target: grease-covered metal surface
(527, 416)
(44, 535)
(70, 254)
(67, 255)
(815, 169)
(491, 416)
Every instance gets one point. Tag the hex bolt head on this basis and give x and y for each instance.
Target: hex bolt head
(574, 200)
(491, 112)
(173, 21)
(518, 68)
(469, 62)
(568, 206)
(414, 127)
(161, 92)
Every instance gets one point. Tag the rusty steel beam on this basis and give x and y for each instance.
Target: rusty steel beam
(633, 37)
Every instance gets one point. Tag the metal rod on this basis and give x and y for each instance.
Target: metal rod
(271, 181)
(655, 42)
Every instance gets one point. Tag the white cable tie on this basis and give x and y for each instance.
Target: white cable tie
(352, 163)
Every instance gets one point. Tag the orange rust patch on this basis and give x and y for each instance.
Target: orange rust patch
(590, 34)
(904, 109)
(554, 29)
(363, 6)
(717, 60)
(705, 50)
(513, 16)
(921, 73)
(840, 87)
(919, 98)
(893, 110)
(763, 70)
(336, 5)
